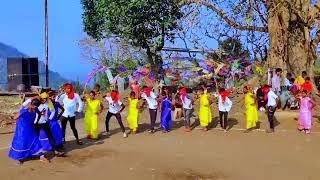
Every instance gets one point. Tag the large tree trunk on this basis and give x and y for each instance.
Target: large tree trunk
(155, 61)
(290, 43)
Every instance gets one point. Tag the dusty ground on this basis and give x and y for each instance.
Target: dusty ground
(214, 155)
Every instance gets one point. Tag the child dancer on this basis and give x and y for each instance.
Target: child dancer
(225, 105)
(91, 116)
(166, 115)
(305, 114)
(70, 99)
(133, 114)
(205, 116)
(187, 102)
(251, 109)
(25, 141)
(151, 99)
(115, 109)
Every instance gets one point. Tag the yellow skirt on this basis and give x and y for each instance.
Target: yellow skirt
(133, 117)
(205, 116)
(91, 124)
(251, 116)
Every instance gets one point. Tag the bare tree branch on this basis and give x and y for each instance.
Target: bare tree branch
(224, 16)
(315, 11)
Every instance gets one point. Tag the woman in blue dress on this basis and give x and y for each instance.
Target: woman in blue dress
(25, 143)
(166, 114)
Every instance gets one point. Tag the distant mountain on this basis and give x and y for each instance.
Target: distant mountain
(55, 79)
(8, 51)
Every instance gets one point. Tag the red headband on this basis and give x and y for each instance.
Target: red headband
(224, 94)
(147, 90)
(72, 91)
(183, 92)
(115, 96)
(266, 90)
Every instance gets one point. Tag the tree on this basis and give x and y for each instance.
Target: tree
(143, 23)
(112, 52)
(292, 27)
(233, 47)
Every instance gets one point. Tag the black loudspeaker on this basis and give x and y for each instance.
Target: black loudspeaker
(33, 71)
(22, 71)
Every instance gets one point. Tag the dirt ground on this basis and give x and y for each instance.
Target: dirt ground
(215, 155)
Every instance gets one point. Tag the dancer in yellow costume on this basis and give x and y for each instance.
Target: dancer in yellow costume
(205, 115)
(91, 116)
(251, 109)
(133, 114)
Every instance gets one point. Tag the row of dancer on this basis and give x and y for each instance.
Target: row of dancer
(38, 130)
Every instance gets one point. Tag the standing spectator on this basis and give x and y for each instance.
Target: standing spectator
(276, 81)
(287, 84)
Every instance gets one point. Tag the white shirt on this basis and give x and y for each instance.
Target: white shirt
(276, 83)
(151, 100)
(70, 105)
(272, 99)
(187, 104)
(26, 103)
(114, 108)
(226, 106)
(44, 109)
(287, 83)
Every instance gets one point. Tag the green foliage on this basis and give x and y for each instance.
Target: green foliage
(144, 23)
(102, 79)
(234, 47)
(317, 67)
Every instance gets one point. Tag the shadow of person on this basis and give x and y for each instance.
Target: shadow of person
(258, 125)
(177, 124)
(72, 145)
(276, 122)
(232, 122)
(214, 123)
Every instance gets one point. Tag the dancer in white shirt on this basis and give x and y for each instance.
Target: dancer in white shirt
(151, 99)
(115, 109)
(70, 100)
(225, 105)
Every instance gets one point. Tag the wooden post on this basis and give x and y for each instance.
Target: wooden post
(47, 43)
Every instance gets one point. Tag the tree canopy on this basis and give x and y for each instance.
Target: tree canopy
(143, 23)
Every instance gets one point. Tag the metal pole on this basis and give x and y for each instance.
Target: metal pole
(47, 43)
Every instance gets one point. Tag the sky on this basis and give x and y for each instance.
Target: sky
(22, 26)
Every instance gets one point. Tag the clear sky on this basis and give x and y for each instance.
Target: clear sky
(22, 26)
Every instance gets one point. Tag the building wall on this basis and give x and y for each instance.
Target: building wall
(3, 74)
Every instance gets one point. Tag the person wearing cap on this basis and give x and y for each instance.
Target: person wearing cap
(70, 100)
(42, 122)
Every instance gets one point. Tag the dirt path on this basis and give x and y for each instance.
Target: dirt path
(214, 155)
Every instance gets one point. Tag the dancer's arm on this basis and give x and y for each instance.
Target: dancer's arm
(122, 107)
(101, 108)
(53, 112)
(61, 112)
(79, 102)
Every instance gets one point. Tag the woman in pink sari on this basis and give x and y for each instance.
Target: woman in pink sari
(305, 114)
